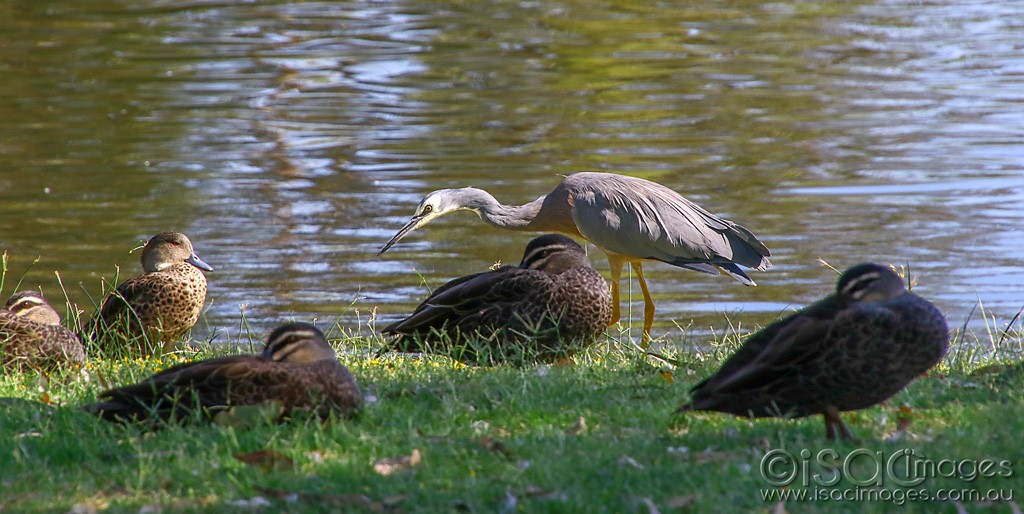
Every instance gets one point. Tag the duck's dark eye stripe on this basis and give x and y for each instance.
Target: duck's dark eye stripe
(536, 258)
(860, 283)
(26, 303)
(285, 349)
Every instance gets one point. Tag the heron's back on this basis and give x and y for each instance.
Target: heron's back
(638, 218)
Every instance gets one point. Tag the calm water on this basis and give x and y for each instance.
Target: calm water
(290, 140)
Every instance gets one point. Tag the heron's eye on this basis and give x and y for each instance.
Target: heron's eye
(427, 209)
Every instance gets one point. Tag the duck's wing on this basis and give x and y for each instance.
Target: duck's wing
(755, 350)
(472, 295)
(117, 304)
(813, 362)
(186, 387)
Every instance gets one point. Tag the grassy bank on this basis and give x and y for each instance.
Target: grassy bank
(595, 437)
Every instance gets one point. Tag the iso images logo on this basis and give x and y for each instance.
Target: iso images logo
(872, 475)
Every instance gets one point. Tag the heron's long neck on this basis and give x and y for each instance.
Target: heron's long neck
(549, 213)
(512, 217)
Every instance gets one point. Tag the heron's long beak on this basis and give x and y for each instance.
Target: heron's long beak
(197, 262)
(413, 224)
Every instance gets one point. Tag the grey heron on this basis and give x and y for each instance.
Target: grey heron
(849, 351)
(630, 219)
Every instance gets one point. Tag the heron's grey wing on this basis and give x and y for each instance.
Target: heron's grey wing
(745, 248)
(643, 219)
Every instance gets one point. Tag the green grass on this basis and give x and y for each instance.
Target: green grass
(503, 439)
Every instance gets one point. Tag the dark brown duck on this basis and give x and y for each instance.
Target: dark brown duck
(849, 351)
(551, 305)
(298, 369)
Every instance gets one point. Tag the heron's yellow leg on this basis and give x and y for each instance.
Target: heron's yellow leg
(645, 340)
(616, 268)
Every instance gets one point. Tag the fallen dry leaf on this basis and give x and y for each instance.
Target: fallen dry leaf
(389, 465)
(667, 376)
(495, 446)
(577, 428)
(904, 417)
(266, 459)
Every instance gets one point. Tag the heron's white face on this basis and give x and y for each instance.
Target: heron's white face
(434, 205)
(429, 208)
(439, 203)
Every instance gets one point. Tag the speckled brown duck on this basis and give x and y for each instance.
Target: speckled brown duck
(298, 369)
(151, 312)
(31, 335)
(849, 351)
(551, 305)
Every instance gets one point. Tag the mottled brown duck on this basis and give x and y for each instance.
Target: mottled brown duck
(31, 335)
(849, 351)
(553, 304)
(298, 370)
(148, 314)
